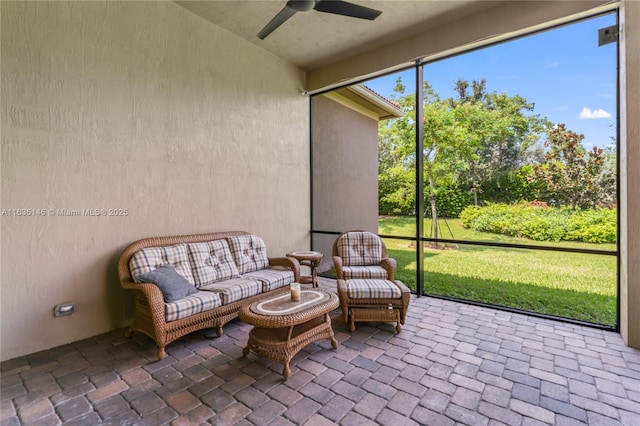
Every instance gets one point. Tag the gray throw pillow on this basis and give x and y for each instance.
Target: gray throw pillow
(172, 285)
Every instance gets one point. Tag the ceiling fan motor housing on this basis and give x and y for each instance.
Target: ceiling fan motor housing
(302, 5)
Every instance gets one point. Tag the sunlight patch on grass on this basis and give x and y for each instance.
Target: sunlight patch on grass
(572, 285)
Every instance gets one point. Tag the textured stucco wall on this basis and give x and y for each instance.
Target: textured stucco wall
(345, 172)
(140, 106)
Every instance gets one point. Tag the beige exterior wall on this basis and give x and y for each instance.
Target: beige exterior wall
(140, 106)
(345, 172)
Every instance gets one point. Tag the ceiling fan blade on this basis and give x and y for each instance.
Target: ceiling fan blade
(286, 13)
(347, 9)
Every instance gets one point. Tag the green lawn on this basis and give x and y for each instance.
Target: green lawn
(573, 285)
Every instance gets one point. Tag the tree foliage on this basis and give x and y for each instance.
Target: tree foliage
(469, 141)
(571, 175)
(486, 147)
(507, 135)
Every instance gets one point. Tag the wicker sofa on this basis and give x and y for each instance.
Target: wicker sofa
(226, 270)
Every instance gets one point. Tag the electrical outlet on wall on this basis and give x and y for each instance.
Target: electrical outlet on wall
(64, 309)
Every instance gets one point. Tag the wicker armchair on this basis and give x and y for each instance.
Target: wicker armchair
(362, 255)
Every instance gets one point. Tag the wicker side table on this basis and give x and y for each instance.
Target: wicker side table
(283, 327)
(311, 259)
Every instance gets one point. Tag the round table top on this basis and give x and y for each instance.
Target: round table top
(305, 255)
(280, 311)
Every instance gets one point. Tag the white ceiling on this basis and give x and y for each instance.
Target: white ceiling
(313, 39)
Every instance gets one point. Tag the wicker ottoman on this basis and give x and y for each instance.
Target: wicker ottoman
(367, 300)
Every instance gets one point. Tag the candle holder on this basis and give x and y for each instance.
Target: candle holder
(295, 292)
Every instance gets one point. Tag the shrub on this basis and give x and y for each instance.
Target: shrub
(469, 215)
(544, 229)
(593, 226)
(451, 199)
(539, 222)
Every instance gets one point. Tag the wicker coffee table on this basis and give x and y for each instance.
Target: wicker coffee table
(282, 327)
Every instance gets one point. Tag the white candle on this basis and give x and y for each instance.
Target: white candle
(295, 292)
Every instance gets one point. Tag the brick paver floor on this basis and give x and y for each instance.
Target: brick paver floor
(452, 364)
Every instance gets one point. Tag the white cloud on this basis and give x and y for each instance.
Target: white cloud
(552, 65)
(588, 114)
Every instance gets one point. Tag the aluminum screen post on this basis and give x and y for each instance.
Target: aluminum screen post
(419, 180)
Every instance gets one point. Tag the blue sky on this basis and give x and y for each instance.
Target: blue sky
(562, 71)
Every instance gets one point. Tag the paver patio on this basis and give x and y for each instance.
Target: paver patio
(451, 364)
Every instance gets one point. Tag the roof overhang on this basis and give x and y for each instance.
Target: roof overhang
(364, 100)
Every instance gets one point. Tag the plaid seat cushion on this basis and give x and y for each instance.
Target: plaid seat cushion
(360, 249)
(249, 253)
(150, 258)
(272, 278)
(212, 262)
(363, 272)
(235, 289)
(191, 305)
(373, 289)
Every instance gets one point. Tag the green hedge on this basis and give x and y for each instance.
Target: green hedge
(396, 192)
(539, 222)
(450, 201)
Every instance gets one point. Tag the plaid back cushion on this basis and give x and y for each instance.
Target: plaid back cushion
(150, 258)
(212, 262)
(360, 249)
(373, 289)
(249, 253)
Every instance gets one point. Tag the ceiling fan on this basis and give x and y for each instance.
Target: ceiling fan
(329, 6)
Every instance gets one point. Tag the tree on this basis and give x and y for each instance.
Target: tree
(465, 140)
(447, 145)
(571, 175)
(482, 141)
(397, 154)
(506, 136)
(396, 173)
(396, 160)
